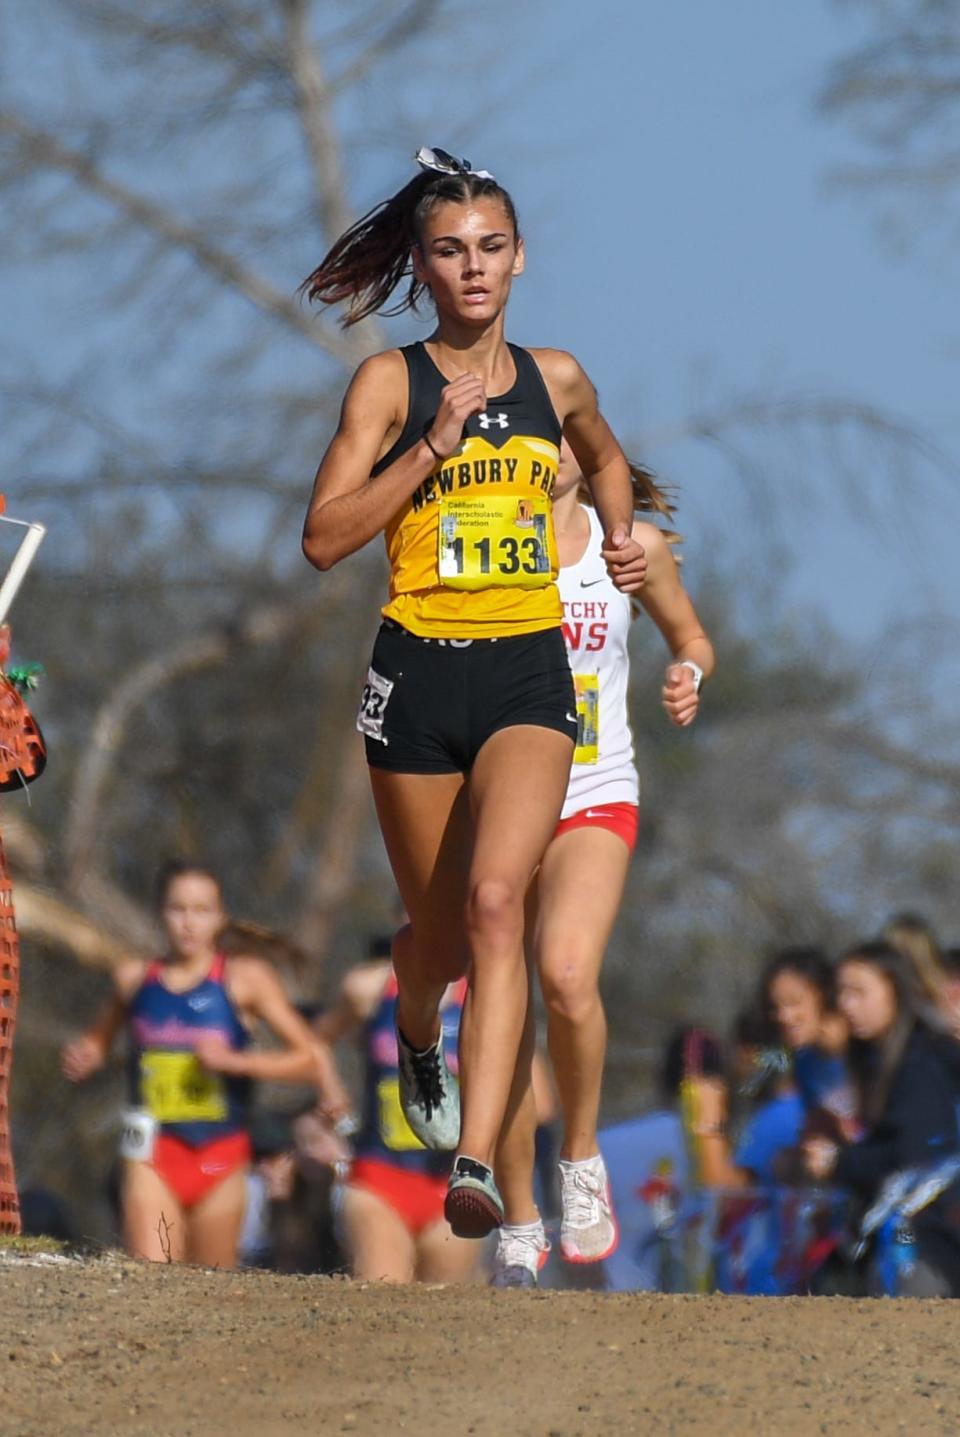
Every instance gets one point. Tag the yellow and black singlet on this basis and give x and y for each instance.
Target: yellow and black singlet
(472, 553)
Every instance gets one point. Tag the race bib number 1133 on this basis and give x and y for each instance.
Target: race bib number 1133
(496, 541)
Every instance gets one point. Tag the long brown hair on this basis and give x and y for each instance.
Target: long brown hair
(874, 1064)
(913, 936)
(371, 258)
(649, 497)
(253, 940)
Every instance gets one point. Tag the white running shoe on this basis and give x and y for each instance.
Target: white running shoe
(588, 1226)
(429, 1094)
(520, 1254)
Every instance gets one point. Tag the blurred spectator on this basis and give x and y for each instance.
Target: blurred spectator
(914, 939)
(798, 993)
(906, 1070)
(765, 1106)
(691, 1072)
(290, 1224)
(951, 991)
(271, 1136)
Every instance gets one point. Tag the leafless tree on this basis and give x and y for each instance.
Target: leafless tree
(899, 88)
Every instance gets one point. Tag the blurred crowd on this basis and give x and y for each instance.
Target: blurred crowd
(840, 1080)
(840, 1083)
(842, 1075)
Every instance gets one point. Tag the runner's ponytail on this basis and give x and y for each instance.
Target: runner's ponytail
(649, 497)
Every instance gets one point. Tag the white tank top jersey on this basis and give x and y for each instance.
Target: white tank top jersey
(596, 626)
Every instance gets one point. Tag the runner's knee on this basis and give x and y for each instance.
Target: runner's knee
(569, 992)
(495, 909)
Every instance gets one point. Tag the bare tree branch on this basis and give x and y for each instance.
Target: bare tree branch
(335, 858)
(47, 919)
(43, 149)
(82, 830)
(313, 102)
(402, 27)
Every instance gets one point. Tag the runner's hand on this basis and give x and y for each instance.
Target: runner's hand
(217, 1056)
(335, 1102)
(625, 559)
(463, 397)
(679, 695)
(82, 1058)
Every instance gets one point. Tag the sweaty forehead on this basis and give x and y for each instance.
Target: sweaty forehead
(468, 219)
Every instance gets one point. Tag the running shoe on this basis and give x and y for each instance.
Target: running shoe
(429, 1095)
(588, 1227)
(473, 1207)
(520, 1255)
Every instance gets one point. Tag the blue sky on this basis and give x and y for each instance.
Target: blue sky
(671, 175)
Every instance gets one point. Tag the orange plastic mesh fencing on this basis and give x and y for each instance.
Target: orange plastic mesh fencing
(22, 752)
(9, 993)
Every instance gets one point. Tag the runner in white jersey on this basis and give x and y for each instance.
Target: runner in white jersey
(596, 627)
(581, 878)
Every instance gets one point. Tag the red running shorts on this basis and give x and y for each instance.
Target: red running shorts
(623, 819)
(417, 1197)
(192, 1173)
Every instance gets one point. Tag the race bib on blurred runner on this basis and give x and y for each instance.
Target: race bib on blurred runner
(588, 718)
(395, 1131)
(137, 1135)
(177, 1088)
(496, 540)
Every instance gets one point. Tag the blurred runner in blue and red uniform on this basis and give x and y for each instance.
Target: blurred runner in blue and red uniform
(392, 1202)
(189, 1015)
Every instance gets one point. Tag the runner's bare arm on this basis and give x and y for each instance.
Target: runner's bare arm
(360, 992)
(670, 607)
(348, 507)
(359, 995)
(86, 1055)
(602, 464)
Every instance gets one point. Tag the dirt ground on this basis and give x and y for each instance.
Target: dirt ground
(113, 1346)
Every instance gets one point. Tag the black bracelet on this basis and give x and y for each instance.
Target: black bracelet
(439, 457)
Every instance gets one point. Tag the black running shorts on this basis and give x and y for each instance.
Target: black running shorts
(429, 705)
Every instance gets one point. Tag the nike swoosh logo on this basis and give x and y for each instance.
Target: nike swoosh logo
(589, 583)
(597, 813)
(571, 718)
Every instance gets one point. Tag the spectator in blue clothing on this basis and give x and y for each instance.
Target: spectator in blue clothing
(798, 991)
(764, 1099)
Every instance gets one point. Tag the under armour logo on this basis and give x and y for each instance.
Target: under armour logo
(500, 420)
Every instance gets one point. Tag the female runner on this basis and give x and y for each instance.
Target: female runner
(391, 1205)
(450, 446)
(582, 874)
(186, 1147)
